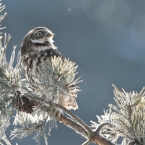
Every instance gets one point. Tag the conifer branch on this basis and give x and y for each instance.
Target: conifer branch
(126, 119)
(102, 125)
(77, 124)
(79, 121)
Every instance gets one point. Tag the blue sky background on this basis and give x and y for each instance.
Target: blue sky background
(105, 38)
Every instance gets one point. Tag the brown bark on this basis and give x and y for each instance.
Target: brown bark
(94, 137)
(76, 123)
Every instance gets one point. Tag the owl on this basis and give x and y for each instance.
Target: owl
(37, 47)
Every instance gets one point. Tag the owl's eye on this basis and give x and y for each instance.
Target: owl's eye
(39, 33)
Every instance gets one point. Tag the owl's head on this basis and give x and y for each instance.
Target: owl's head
(39, 37)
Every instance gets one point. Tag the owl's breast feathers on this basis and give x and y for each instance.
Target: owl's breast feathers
(28, 59)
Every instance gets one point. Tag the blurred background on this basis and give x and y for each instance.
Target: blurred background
(105, 38)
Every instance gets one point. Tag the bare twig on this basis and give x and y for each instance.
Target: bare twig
(96, 138)
(75, 117)
(102, 125)
(73, 125)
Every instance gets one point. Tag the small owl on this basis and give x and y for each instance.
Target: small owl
(37, 47)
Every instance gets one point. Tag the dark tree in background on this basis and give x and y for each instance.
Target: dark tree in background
(106, 40)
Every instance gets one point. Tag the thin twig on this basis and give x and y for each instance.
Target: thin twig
(87, 142)
(102, 125)
(73, 125)
(75, 117)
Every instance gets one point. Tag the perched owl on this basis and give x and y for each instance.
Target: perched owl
(37, 47)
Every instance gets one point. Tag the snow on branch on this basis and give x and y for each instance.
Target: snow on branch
(126, 120)
(36, 111)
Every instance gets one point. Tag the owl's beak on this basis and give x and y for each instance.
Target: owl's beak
(50, 34)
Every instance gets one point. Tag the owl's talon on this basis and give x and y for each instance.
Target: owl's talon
(57, 112)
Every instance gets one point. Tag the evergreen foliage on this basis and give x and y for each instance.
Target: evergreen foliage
(126, 120)
(34, 112)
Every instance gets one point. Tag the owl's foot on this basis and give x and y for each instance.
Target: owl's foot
(57, 112)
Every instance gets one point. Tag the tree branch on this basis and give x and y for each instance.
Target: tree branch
(102, 125)
(96, 138)
(78, 125)
(66, 111)
(73, 125)
(75, 117)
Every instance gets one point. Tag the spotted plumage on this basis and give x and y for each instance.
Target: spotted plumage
(37, 46)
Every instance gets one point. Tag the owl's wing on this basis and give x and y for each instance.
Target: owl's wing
(66, 101)
(54, 52)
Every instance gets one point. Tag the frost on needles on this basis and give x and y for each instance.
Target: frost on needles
(35, 114)
(126, 120)
(33, 111)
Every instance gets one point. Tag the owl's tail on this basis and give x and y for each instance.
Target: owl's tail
(69, 102)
